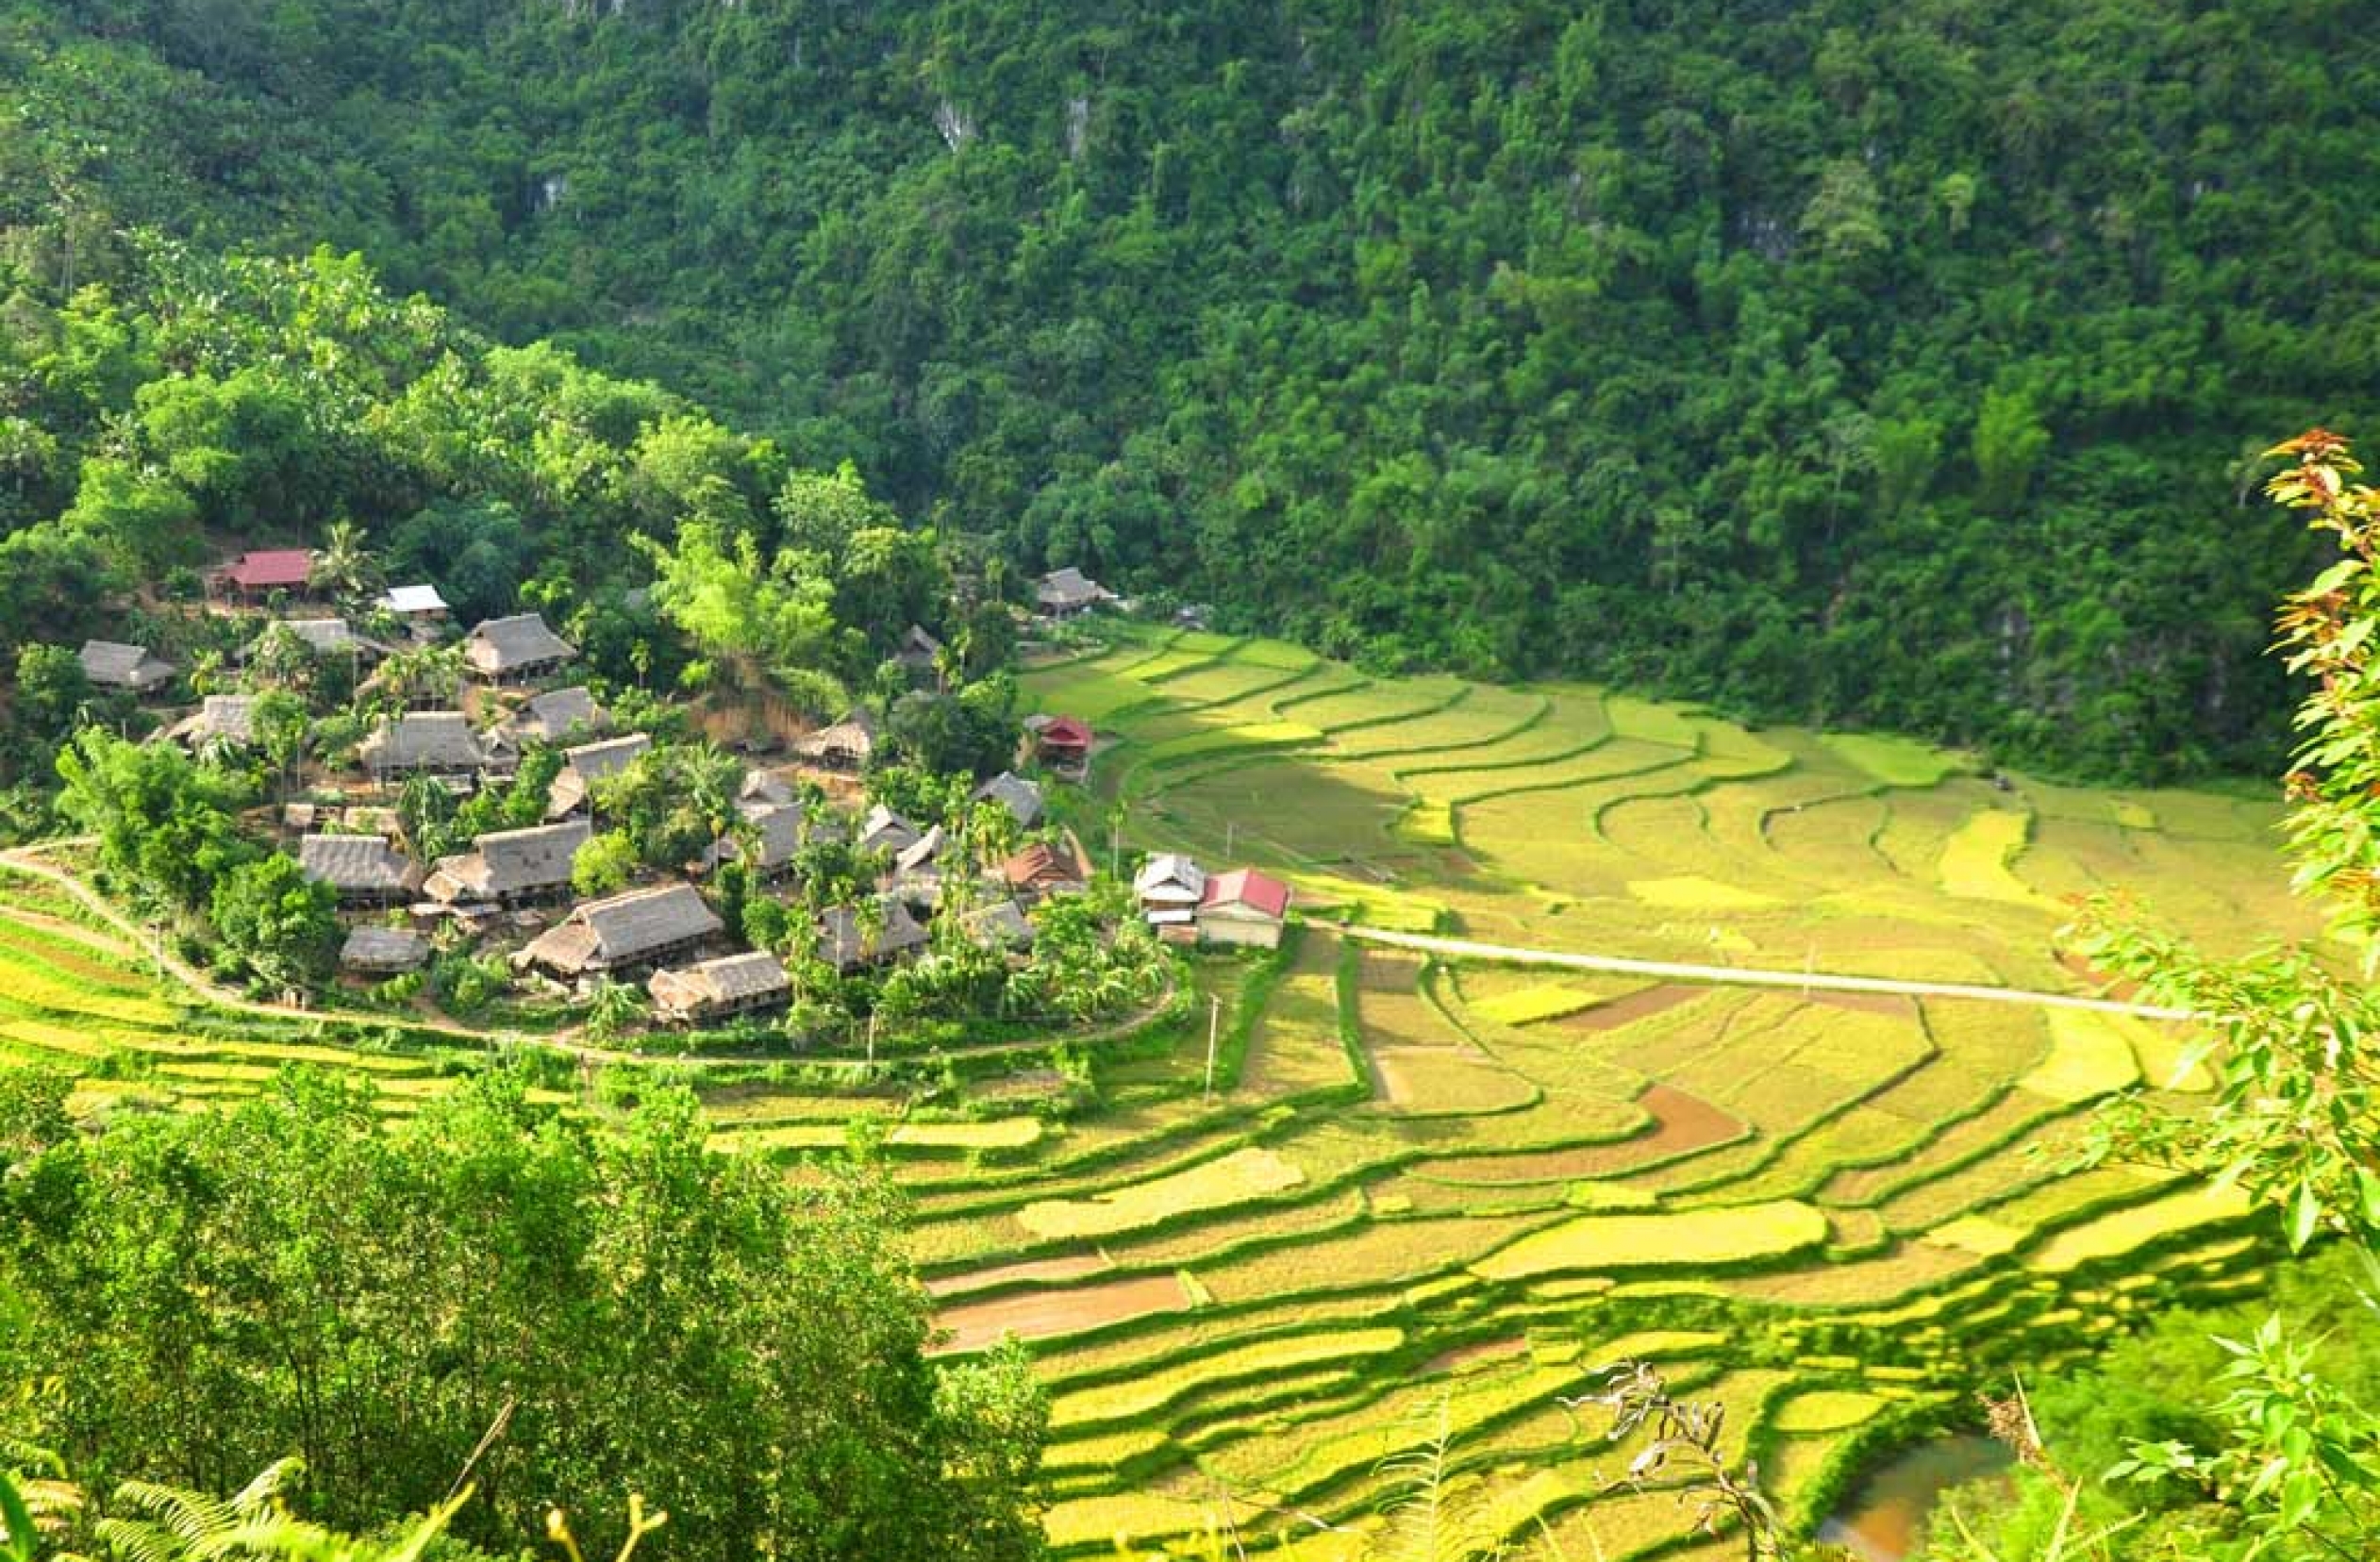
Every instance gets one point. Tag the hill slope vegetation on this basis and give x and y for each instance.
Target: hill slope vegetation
(1838, 361)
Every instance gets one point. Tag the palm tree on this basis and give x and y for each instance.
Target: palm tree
(345, 564)
(206, 672)
(712, 778)
(429, 675)
(611, 1007)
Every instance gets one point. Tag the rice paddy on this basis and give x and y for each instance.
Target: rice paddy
(1427, 1189)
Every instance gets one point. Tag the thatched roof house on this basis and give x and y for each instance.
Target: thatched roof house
(1063, 594)
(384, 951)
(432, 743)
(712, 989)
(625, 933)
(882, 830)
(363, 869)
(220, 720)
(587, 764)
(917, 651)
(777, 831)
(1001, 924)
(509, 866)
(761, 787)
(112, 664)
(517, 647)
(557, 714)
(925, 852)
(843, 944)
(1021, 798)
(850, 745)
(324, 637)
(1042, 869)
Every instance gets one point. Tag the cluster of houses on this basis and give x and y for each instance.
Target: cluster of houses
(253, 578)
(1186, 904)
(666, 934)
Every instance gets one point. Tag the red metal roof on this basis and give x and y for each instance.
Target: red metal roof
(1248, 888)
(1067, 732)
(272, 567)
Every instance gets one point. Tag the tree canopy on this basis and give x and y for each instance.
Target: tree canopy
(1684, 347)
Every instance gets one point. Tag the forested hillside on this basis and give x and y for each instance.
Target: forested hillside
(1842, 360)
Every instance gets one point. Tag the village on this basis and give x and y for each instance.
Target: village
(819, 858)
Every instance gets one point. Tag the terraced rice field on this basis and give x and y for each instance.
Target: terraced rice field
(1435, 1194)
(1511, 1176)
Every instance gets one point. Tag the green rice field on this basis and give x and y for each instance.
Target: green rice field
(1428, 1192)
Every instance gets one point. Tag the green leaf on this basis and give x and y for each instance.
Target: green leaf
(2307, 1215)
(17, 1520)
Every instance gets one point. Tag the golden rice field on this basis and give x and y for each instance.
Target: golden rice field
(1438, 1194)
(1840, 1214)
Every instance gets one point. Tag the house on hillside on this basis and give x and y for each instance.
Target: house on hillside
(425, 742)
(509, 867)
(882, 830)
(557, 714)
(1000, 924)
(710, 990)
(624, 934)
(1021, 798)
(420, 607)
(1245, 908)
(259, 573)
(384, 952)
(760, 787)
(1066, 592)
(220, 720)
(844, 944)
(917, 871)
(364, 870)
(1062, 744)
(515, 649)
(325, 636)
(850, 745)
(919, 653)
(1169, 888)
(112, 664)
(587, 764)
(1042, 869)
(776, 830)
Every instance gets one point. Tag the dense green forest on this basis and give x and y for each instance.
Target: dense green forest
(1843, 361)
(495, 1294)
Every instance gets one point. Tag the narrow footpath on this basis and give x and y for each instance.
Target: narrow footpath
(1716, 975)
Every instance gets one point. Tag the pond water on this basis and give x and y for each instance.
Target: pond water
(1881, 1520)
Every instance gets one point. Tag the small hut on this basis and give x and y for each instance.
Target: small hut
(623, 934)
(384, 952)
(515, 649)
(112, 664)
(711, 990)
